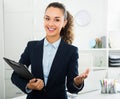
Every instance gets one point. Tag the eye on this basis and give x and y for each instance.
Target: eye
(57, 20)
(47, 19)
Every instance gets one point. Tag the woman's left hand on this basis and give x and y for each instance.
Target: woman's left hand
(80, 78)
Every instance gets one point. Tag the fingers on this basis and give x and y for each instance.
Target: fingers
(80, 78)
(32, 80)
(35, 84)
(39, 84)
(85, 74)
(87, 71)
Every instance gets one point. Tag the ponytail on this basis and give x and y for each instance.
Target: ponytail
(67, 31)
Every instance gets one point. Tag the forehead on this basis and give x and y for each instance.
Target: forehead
(54, 12)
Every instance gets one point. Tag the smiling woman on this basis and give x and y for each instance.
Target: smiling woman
(56, 21)
(53, 22)
(23, 22)
(46, 59)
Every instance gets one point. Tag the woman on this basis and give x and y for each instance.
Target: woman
(53, 60)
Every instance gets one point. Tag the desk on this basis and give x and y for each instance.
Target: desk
(98, 95)
(88, 95)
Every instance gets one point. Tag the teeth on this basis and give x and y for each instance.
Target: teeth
(51, 29)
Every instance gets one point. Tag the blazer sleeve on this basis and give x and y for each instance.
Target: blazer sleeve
(73, 72)
(15, 78)
(19, 82)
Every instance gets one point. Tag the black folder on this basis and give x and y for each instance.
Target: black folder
(19, 68)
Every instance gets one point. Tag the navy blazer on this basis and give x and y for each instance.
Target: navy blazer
(64, 68)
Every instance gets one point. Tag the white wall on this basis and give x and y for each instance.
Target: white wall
(2, 83)
(18, 20)
(114, 23)
(114, 15)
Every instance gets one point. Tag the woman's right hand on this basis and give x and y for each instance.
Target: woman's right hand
(35, 84)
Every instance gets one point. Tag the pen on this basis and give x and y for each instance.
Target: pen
(101, 83)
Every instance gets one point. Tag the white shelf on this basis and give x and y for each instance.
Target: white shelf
(94, 49)
(100, 68)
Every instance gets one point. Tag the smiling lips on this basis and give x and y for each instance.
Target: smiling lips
(51, 29)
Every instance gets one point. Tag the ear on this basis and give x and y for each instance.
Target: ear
(65, 22)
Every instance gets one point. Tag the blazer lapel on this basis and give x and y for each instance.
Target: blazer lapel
(55, 63)
(39, 54)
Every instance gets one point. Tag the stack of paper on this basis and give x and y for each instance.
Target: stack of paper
(114, 60)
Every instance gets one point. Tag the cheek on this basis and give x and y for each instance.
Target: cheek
(59, 26)
(44, 24)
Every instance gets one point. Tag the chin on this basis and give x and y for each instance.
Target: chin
(50, 34)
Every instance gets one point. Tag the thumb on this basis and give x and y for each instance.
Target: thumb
(32, 80)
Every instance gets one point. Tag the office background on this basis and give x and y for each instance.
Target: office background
(22, 20)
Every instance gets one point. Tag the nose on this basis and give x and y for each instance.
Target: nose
(51, 23)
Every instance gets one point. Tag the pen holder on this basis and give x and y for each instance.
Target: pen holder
(108, 86)
(103, 89)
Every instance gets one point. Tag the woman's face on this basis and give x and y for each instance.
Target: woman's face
(54, 21)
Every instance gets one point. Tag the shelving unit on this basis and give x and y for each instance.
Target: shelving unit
(113, 29)
(97, 59)
(114, 53)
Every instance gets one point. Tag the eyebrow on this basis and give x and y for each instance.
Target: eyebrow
(55, 17)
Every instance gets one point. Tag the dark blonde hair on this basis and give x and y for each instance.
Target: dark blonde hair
(67, 31)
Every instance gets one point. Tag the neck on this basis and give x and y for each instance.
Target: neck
(52, 39)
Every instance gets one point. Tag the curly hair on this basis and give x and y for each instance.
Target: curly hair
(67, 31)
